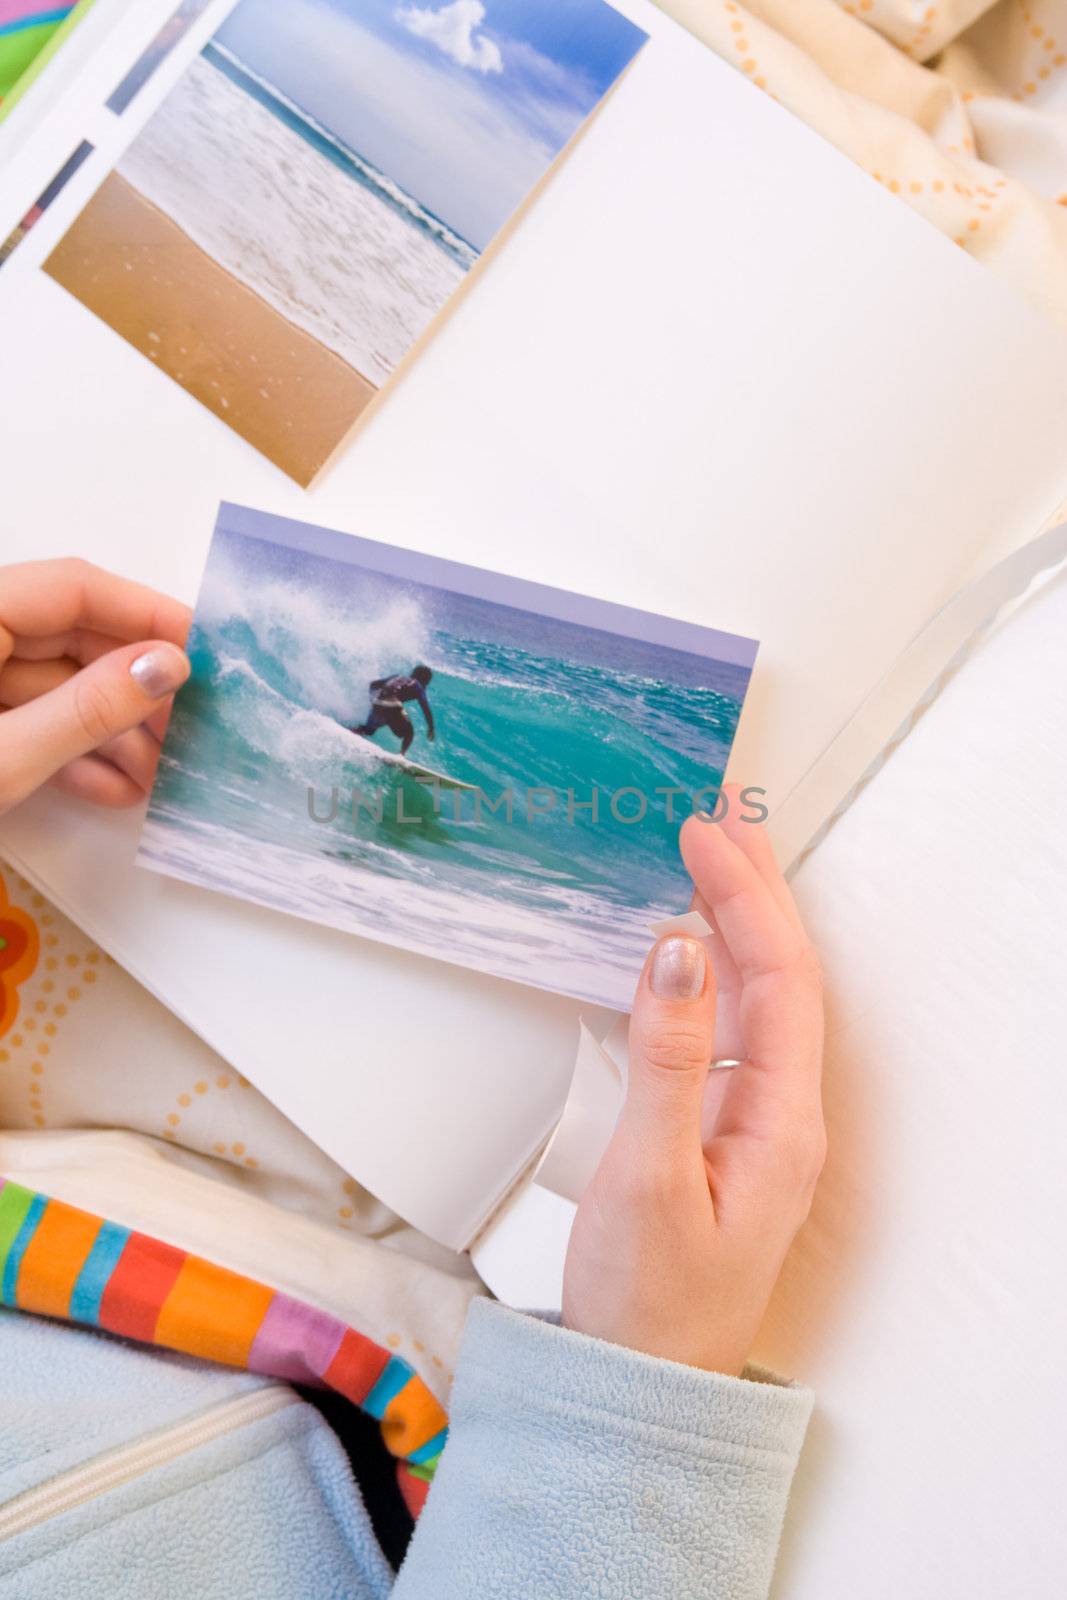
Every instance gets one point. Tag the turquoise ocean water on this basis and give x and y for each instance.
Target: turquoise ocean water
(283, 649)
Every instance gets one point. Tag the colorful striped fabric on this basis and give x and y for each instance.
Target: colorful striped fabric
(61, 1262)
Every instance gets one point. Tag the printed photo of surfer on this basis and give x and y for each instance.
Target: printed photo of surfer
(303, 203)
(479, 769)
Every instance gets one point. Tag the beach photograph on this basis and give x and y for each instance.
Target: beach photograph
(317, 186)
(478, 769)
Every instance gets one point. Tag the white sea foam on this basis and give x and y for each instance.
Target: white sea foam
(304, 744)
(398, 195)
(328, 651)
(578, 951)
(330, 255)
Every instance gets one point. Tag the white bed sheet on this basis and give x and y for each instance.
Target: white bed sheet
(925, 1300)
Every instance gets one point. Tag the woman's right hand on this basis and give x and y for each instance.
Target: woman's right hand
(88, 664)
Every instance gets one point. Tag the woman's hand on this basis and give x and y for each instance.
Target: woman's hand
(88, 663)
(682, 1233)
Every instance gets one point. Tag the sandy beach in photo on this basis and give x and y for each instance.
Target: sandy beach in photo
(274, 384)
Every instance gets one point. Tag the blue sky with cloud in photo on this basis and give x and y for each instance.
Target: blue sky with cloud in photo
(464, 103)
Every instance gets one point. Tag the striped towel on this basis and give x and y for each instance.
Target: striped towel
(280, 1274)
(59, 1261)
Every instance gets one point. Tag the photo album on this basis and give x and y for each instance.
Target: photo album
(695, 380)
(477, 768)
(405, 136)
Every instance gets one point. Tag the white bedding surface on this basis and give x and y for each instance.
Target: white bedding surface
(925, 1299)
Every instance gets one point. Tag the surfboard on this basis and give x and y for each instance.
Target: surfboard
(416, 770)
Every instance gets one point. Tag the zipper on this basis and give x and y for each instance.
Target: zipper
(120, 1466)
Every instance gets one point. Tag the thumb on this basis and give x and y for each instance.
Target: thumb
(672, 1031)
(115, 693)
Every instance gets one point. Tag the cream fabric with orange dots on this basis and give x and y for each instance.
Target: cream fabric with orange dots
(109, 1103)
(959, 107)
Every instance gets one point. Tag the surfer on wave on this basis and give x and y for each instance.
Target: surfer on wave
(388, 697)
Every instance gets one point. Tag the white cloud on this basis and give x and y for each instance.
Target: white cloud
(453, 30)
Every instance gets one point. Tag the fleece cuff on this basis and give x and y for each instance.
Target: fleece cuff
(577, 1469)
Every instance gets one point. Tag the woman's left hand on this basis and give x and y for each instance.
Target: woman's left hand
(88, 663)
(681, 1235)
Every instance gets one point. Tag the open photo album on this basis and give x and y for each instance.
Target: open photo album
(717, 386)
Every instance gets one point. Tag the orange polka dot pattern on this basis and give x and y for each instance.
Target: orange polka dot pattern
(1046, 55)
(48, 991)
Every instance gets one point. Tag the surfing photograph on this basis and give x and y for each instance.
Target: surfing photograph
(316, 187)
(477, 768)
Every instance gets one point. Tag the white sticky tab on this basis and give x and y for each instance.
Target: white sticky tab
(573, 1153)
(690, 923)
(616, 1044)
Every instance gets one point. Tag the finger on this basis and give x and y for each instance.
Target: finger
(135, 754)
(780, 1011)
(752, 837)
(81, 645)
(49, 597)
(757, 932)
(753, 840)
(96, 705)
(727, 983)
(96, 780)
(22, 681)
(672, 1028)
(156, 724)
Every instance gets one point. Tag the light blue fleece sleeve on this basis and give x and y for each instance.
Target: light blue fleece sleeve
(576, 1470)
(266, 1511)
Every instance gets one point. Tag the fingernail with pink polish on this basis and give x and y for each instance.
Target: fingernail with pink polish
(159, 672)
(679, 969)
